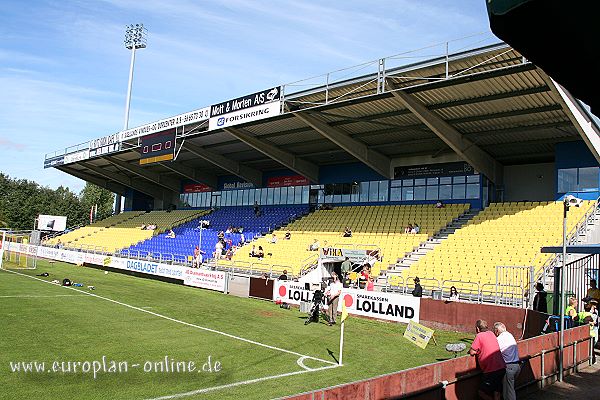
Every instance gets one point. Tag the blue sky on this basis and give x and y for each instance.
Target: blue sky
(64, 70)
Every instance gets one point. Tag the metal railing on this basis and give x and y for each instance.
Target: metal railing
(371, 77)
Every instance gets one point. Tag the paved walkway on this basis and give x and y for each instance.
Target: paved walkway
(584, 385)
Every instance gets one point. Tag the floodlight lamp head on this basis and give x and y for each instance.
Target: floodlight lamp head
(572, 201)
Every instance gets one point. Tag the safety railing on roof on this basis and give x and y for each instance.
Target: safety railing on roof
(407, 69)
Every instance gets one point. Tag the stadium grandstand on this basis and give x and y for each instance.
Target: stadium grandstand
(477, 147)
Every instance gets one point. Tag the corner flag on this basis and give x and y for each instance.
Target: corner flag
(344, 312)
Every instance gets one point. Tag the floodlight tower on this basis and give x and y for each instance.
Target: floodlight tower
(135, 38)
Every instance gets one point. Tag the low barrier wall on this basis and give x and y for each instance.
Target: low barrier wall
(459, 378)
(459, 316)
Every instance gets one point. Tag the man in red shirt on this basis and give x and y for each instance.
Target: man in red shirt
(486, 348)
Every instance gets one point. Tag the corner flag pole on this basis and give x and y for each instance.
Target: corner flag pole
(341, 343)
(344, 316)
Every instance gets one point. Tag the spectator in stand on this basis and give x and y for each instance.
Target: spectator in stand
(333, 293)
(370, 284)
(571, 309)
(418, 290)
(288, 235)
(347, 232)
(221, 235)
(219, 249)
(346, 267)
(171, 234)
(240, 229)
(229, 229)
(413, 230)
(510, 354)
(231, 252)
(408, 229)
(593, 292)
(365, 272)
(261, 253)
(439, 204)
(283, 276)
(59, 244)
(273, 239)
(487, 350)
(143, 227)
(539, 300)
(197, 262)
(314, 246)
(256, 209)
(242, 239)
(417, 228)
(252, 252)
(453, 294)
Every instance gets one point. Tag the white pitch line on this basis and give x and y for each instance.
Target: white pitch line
(179, 321)
(35, 296)
(241, 383)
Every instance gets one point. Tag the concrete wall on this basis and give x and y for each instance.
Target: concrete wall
(462, 375)
(530, 182)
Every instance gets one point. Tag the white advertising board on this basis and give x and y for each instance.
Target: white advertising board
(213, 280)
(388, 306)
(167, 123)
(54, 223)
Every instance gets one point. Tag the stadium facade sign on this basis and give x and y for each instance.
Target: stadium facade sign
(334, 254)
(192, 117)
(105, 145)
(196, 188)
(54, 161)
(388, 306)
(434, 170)
(282, 181)
(241, 110)
(77, 156)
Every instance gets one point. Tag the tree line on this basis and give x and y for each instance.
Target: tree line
(21, 201)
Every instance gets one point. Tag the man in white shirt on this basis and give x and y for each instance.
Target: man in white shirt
(333, 293)
(510, 353)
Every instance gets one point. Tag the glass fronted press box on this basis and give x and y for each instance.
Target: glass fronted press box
(455, 187)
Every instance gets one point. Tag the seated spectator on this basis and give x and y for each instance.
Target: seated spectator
(231, 252)
(347, 232)
(242, 239)
(171, 234)
(221, 235)
(453, 294)
(417, 228)
(273, 239)
(252, 252)
(143, 227)
(283, 276)
(408, 229)
(261, 253)
(314, 246)
(240, 229)
(229, 229)
(288, 235)
(413, 230)
(439, 204)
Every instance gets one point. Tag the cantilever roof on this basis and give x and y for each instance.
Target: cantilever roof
(492, 96)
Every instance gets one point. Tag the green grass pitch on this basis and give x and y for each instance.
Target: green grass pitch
(262, 351)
